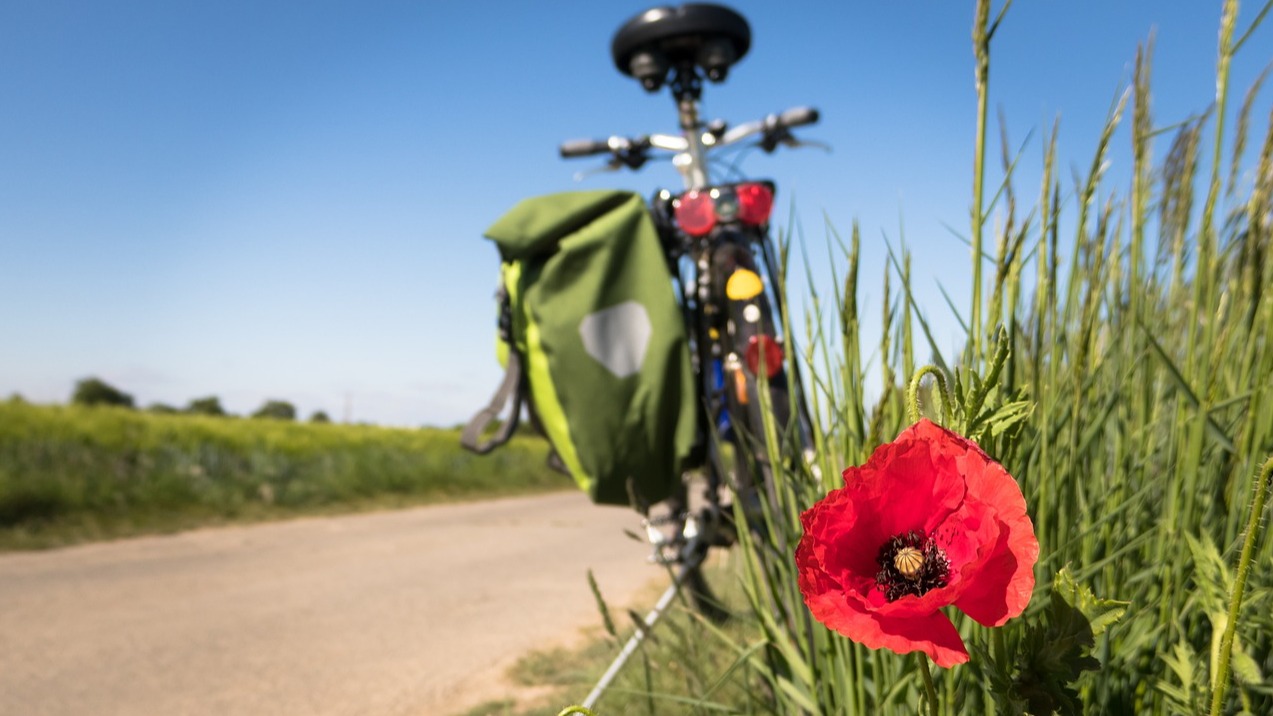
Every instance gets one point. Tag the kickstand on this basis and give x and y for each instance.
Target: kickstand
(643, 630)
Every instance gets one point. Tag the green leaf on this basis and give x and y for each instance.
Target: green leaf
(1244, 667)
(1210, 574)
(1053, 654)
(1219, 620)
(1100, 613)
(601, 606)
(1007, 416)
(1182, 662)
(997, 680)
(1190, 395)
(1054, 660)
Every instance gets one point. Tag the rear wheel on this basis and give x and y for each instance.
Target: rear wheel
(766, 405)
(743, 337)
(757, 382)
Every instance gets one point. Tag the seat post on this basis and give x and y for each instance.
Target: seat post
(687, 87)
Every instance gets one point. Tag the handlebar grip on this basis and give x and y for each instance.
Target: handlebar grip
(584, 147)
(797, 116)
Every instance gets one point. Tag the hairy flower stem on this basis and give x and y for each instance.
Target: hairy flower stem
(922, 662)
(912, 395)
(1258, 489)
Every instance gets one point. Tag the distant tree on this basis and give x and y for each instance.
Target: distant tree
(162, 408)
(276, 410)
(17, 399)
(319, 417)
(94, 391)
(210, 405)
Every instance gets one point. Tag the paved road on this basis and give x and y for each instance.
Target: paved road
(410, 612)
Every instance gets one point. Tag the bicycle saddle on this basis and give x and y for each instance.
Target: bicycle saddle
(660, 39)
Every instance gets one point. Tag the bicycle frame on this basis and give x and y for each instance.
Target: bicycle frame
(736, 241)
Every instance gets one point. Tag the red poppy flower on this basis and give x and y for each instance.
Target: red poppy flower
(928, 521)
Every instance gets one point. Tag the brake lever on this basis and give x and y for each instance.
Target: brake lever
(795, 143)
(773, 137)
(614, 165)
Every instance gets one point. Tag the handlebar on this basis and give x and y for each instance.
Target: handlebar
(631, 151)
(583, 147)
(797, 116)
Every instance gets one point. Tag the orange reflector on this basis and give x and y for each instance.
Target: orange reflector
(740, 387)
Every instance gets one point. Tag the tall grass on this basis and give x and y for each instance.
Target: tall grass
(1122, 362)
(70, 473)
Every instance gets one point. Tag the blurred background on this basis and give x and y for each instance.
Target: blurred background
(286, 201)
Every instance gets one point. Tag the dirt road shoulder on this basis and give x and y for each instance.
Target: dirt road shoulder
(412, 612)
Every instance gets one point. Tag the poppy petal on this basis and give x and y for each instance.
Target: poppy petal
(931, 633)
(907, 482)
(934, 635)
(1005, 581)
(835, 529)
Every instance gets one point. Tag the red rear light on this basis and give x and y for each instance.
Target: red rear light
(772, 353)
(695, 213)
(755, 202)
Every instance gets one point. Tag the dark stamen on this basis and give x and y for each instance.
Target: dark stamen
(899, 577)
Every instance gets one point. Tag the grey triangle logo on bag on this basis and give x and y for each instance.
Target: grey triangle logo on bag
(617, 337)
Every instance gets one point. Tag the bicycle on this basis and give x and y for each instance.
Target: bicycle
(724, 266)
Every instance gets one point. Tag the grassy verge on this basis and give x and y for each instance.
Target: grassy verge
(71, 474)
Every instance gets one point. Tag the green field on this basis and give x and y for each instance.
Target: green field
(70, 474)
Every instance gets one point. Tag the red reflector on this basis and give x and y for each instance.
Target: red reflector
(773, 355)
(695, 213)
(755, 202)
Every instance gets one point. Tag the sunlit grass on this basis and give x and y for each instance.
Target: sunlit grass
(677, 670)
(1138, 326)
(70, 474)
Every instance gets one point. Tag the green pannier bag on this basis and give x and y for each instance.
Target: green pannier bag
(593, 341)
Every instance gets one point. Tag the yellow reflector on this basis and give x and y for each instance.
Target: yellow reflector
(743, 285)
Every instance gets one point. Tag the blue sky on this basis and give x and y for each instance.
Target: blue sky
(261, 200)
